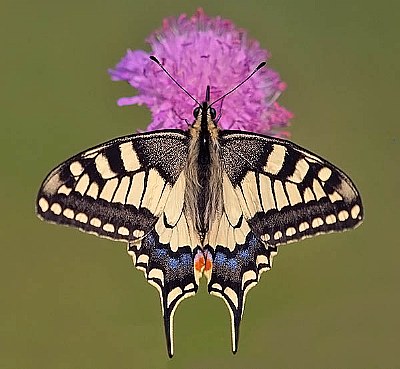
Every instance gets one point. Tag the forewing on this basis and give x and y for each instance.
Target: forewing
(286, 192)
(117, 189)
(131, 189)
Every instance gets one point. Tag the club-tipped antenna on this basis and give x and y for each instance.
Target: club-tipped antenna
(262, 64)
(154, 59)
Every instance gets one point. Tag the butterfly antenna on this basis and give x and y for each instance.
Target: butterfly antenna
(245, 80)
(154, 59)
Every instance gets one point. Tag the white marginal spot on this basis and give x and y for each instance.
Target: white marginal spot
(267, 198)
(142, 259)
(272, 254)
(156, 274)
(109, 227)
(82, 184)
(69, 213)
(324, 174)
(318, 190)
(300, 171)
(123, 231)
(330, 219)
(231, 206)
(56, 208)
(43, 204)
(277, 235)
(108, 190)
(137, 233)
(103, 167)
(122, 190)
(217, 286)
(188, 287)
(232, 295)
(129, 157)
(335, 197)
(95, 222)
(136, 190)
(290, 231)
(173, 294)
(275, 159)
(93, 190)
(303, 226)
(80, 217)
(343, 215)
(281, 199)
(250, 275)
(133, 255)
(265, 237)
(308, 195)
(262, 259)
(346, 191)
(355, 211)
(317, 222)
(294, 194)
(76, 168)
(65, 190)
(153, 191)
(52, 184)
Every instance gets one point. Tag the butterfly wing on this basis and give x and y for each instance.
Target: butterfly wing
(274, 192)
(131, 189)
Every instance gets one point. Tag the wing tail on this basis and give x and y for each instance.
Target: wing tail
(235, 270)
(171, 272)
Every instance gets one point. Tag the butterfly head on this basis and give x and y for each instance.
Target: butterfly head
(205, 111)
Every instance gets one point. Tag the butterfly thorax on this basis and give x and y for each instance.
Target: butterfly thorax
(203, 194)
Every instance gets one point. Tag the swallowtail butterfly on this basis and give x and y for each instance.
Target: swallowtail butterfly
(200, 202)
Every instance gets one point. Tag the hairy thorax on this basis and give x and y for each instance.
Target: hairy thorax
(203, 193)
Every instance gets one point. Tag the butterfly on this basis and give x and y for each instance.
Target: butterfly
(201, 202)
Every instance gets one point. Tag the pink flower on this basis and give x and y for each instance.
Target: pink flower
(200, 51)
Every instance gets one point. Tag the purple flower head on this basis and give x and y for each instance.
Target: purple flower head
(200, 51)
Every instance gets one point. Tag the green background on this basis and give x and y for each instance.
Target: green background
(70, 300)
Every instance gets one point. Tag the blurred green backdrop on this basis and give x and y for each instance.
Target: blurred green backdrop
(70, 300)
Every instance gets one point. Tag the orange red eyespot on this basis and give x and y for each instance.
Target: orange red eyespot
(203, 261)
(199, 261)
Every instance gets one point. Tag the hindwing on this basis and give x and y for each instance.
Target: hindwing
(274, 192)
(132, 189)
